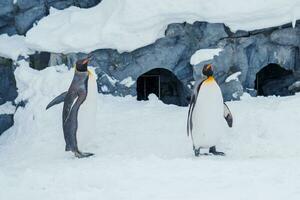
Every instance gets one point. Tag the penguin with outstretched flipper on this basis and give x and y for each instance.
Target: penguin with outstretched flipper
(80, 95)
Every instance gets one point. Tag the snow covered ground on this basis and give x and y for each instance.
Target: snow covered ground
(142, 151)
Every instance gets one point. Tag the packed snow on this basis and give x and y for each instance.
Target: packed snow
(127, 24)
(204, 55)
(7, 108)
(142, 151)
(13, 46)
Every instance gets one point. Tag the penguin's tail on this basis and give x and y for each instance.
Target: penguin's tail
(57, 100)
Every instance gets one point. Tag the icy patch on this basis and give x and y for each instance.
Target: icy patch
(233, 77)
(13, 46)
(128, 82)
(204, 55)
(7, 108)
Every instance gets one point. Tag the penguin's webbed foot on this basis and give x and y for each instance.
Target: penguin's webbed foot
(213, 151)
(79, 154)
(196, 151)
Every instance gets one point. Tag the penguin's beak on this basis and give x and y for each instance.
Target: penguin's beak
(85, 61)
(209, 67)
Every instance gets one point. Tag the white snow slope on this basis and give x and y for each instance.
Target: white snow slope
(142, 151)
(129, 24)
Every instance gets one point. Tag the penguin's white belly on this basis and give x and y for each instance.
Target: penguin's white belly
(87, 115)
(208, 120)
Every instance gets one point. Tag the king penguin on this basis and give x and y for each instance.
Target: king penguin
(79, 107)
(207, 110)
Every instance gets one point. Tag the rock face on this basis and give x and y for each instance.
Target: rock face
(18, 18)
(8, 91)
(6, 121)
(173, 53)
(245, 52)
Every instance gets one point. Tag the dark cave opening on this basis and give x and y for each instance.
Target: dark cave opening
(164, 84)
(39, 60)
(273, 80)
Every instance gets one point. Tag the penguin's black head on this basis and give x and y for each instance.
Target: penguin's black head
(81, 65)
(208, 70)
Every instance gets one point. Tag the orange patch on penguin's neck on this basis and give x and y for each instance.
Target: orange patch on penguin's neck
(210, 79)
(90, 72)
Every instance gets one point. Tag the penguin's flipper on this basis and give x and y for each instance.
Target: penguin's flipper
(228, 116)
(71, 107)
(189, 118)
(191, 107)
(57, 100)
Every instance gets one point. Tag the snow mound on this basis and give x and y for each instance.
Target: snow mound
(127, 24)
(204, 55)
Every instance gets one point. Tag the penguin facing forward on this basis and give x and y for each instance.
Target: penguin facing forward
(75, 116)
(207, 110)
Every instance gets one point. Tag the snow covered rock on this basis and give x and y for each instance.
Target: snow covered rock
(204, 55)
(246, 52)
(123, 47)
(17, 17)
(172, 52)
